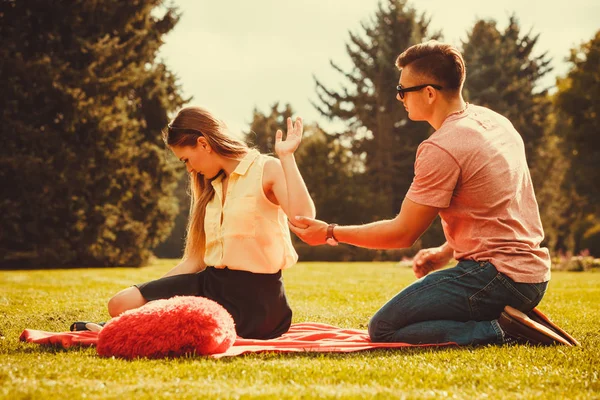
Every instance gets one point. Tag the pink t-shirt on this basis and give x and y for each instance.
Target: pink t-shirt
(474, 169)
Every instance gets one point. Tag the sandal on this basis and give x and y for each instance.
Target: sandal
(83, 326)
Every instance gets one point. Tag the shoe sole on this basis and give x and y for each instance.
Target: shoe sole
(539, 317)
(525, 320)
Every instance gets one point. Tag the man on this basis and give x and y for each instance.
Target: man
(471, 171)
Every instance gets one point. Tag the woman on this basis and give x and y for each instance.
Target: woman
(238, 240)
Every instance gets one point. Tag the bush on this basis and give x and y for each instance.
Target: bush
(575, 264)
(348, 253)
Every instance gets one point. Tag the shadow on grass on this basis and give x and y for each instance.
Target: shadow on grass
(371, 353)
(28, 267)
(32, 348)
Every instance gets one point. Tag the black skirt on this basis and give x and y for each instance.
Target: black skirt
(256, 302)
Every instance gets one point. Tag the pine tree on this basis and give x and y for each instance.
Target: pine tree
(502, 74)
(263, 127)
(377, 125)
(578, 107)
(578, 101)
(84, 99)
(173, 246)
(558, 203)
(332, 174)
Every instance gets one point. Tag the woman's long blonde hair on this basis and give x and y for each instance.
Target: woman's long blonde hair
(185, 129)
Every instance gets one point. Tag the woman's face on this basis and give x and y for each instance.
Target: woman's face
(199, 159)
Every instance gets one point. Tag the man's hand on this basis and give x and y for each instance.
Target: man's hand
(311, 231)
(428, 260)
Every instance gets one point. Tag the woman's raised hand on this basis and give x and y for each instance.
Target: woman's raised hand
(292, 140)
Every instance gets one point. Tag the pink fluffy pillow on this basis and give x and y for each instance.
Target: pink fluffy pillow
(169, 328)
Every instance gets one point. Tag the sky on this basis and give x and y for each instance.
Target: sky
(233, 56)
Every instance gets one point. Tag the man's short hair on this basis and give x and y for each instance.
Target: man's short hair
(438, 61)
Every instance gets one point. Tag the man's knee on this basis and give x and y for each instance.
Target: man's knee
(379, 330)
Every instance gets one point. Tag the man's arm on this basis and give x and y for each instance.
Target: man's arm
(399, 232)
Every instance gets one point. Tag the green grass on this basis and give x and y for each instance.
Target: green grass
(341, 294)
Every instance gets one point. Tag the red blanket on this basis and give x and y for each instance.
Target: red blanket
(302, 337)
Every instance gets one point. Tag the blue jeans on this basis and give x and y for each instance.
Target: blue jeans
(459, 304)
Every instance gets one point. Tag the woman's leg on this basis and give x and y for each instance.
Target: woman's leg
(163, 288)
(126, 299)
(458, 305)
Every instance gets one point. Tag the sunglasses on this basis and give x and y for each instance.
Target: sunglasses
(401, 90)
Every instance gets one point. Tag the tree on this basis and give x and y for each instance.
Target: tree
(84, 99)
(330, 170)
(558, 202)
(578, 107)
(502, 74)
(578, 102)
(174, 245)
(263, 127)
(378, 127)
(334, 177)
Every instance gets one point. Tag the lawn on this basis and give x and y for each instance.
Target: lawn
(341, 294)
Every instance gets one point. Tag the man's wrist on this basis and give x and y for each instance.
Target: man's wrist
(447, 250)
(330, 236)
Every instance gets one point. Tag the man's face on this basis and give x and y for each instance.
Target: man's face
(417, 103)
